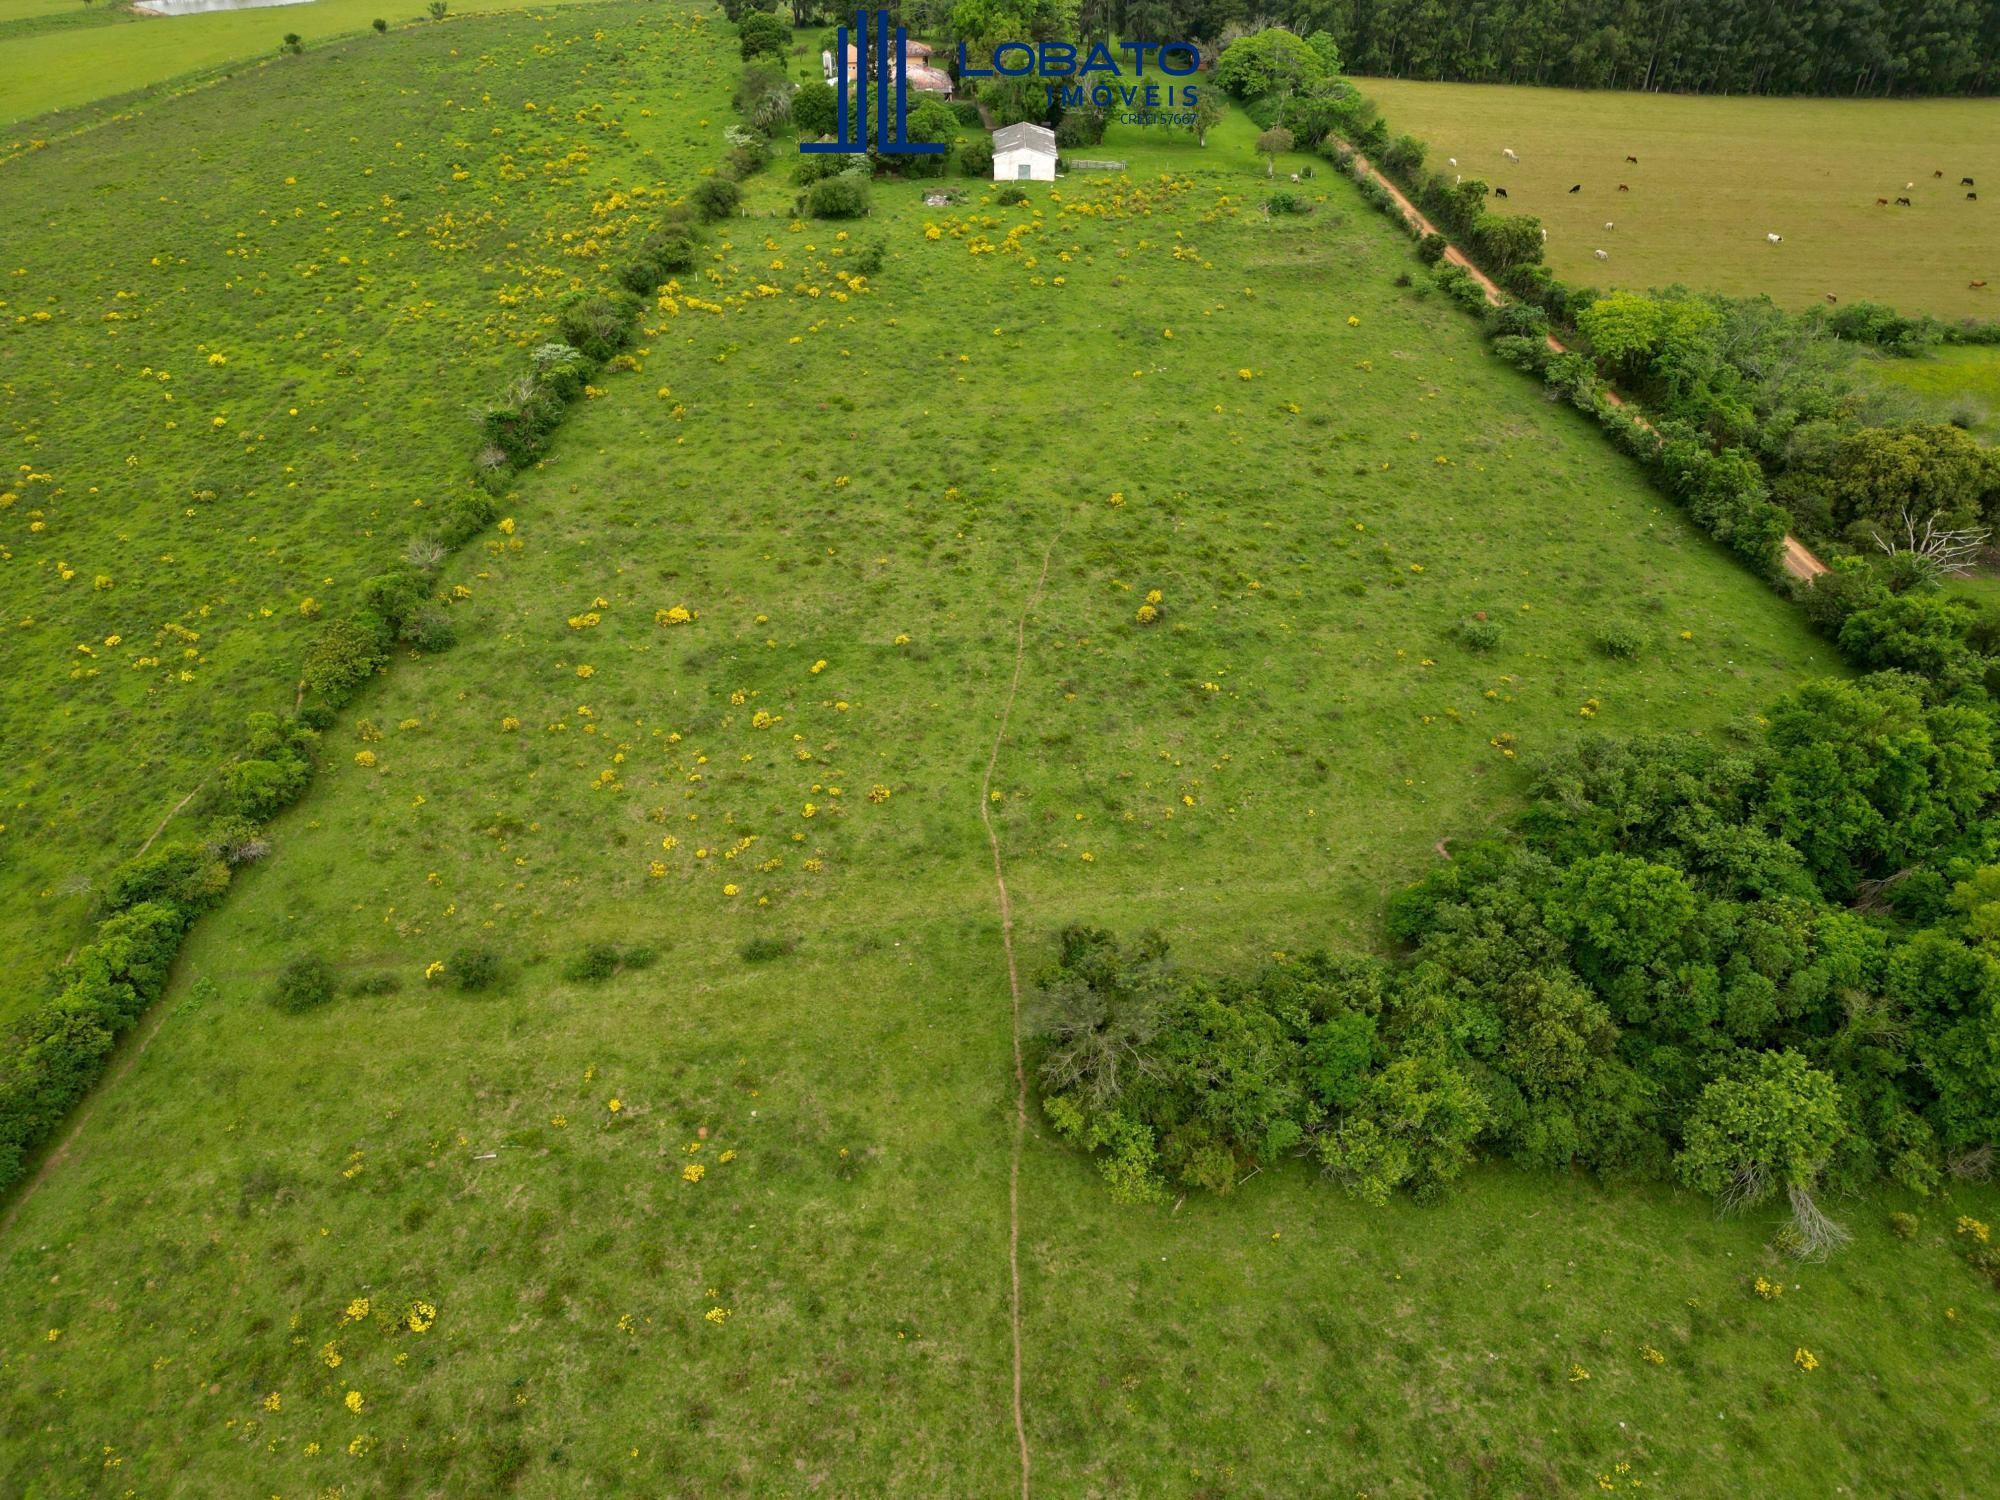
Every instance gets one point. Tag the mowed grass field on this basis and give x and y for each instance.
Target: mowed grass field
(733, 1218)
(243, 346)
(1715, 175)
(62, 54)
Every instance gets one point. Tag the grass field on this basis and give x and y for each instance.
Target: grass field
(212, 438)
(1960, 383)
(408, 1244)
(1715, 175)
(62, 54)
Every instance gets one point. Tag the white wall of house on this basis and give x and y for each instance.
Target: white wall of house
(1008, 166)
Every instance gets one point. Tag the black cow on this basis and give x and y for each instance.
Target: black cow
(1965, 182)
(1499, 192)
(1906, 203)
(1577, 189)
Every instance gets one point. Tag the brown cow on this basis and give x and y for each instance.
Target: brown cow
(1881, 202)
(1831, 298)
(1633, 159)
(1975, 286)
(1624, 188)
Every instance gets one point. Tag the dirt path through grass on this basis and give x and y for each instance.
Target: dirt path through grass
(1014, 1002)
(1797, 558)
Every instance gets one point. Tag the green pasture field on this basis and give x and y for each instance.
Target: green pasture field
(734, 1217)
(1956, 383)
(1715, 175)
(64, 55)
(243, 342)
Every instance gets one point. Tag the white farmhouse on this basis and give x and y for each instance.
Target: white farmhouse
(1024, 153)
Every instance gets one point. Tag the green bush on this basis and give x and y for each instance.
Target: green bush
(1010, 195)
(715, 198)
(429, 629)
(1431, 248)
(596, 325)
(1621, 641)
(596, 963)
(759, 33)
(305, 983)
(840, 197)
(975, 155)
(869, 258)
(816, 110)
(345, 654)
(473, 967)
(1477, 633)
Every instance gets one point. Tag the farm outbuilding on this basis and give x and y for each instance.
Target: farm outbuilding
(1024, 153)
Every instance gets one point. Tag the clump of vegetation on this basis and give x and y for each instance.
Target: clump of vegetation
(1621, 641)
(1477, 633)
(384, 982)
(763, 949)
(474, 967)
(716, 198)
(1010, 195)
(841, 197)
(595, 963)
(306, 982)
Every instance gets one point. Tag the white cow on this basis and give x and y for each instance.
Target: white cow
(1451, 160)
(1508, 152)
(1774, 239)
(1609, 225)
(1600, 255)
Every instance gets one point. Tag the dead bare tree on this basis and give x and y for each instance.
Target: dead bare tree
(1940, 551)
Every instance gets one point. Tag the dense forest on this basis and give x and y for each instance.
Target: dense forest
(1835, 47)
(1839, 48)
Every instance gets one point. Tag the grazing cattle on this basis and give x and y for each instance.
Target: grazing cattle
(1881, 202)
(1972, 197)
(1908, 185)
(1906, 203)
(1609, 225)
(1499, 192)
(1937, 174)
(1831, 298)
(1452, 160)
(1774, 239)
(1965, 182)
(1633, 159)
(1601, 255)
(1975, 286)
(1508, 152)
(1623, 188)
(1576, 188)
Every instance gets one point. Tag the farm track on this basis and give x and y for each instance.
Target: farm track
(1014, 1004)
(1797, 558)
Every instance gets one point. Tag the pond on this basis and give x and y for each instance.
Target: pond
(203, 7)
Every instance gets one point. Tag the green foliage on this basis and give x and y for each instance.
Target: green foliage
(975, 155)
(715, 198)
(306, 982)
(1881, 475)
(1269, 63)
(761, 33)
(474, 967)
(815, 109)
(1775, 1126)
(842, 197)
(345, 654)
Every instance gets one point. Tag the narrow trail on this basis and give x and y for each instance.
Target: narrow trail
(1014, 1001)
(1797, 558)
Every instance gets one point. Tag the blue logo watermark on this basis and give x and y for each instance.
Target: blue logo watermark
(873, 56)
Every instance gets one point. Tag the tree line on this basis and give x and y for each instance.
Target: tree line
(1837, 48)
